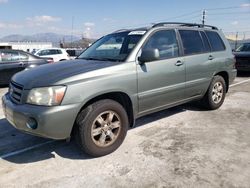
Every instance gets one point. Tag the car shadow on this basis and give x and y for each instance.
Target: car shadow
(17, 147)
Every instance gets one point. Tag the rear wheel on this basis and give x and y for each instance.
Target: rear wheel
(101, 127)
(216, 93)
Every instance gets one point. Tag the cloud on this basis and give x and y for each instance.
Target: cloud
(88, 29)
(234, 23)
(245, 5)
(4, 1)
(108, 20)
(4, 25)
(41, 20)
(89, 24)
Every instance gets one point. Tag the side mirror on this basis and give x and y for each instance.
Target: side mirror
(148, 55)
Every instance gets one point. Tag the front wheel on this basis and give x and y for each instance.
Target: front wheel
(216, 93)
(101, 127)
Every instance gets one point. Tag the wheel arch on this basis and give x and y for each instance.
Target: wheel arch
(120, 97)
(225, 76)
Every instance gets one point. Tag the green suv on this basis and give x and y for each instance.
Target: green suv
(122, 76)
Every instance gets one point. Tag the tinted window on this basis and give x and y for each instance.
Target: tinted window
(59, 51)
(23, 57)
(9, 56)
(192, 42)
(43, 52)
(215, 41)
(244, 48)
(205, 41)
(53, 52)
(165, 41)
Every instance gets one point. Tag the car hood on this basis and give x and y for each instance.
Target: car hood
(242, 54)
(59, 73)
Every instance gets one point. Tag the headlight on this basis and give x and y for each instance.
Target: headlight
(46, 96)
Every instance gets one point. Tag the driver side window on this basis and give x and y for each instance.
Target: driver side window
(165, 41)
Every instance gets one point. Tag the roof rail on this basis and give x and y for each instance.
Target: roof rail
(184, 24)
(120, 30)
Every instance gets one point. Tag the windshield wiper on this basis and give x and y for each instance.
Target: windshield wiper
(109, 59)
(99, 59)
(88, 58)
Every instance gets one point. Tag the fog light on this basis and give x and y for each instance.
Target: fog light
(31, 123)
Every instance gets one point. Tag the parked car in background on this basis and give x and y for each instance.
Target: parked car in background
(73, 53)
(13, 61)
(58, 54)
(242, 55)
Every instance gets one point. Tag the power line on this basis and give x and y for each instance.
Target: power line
(225, 8)
(232, 13)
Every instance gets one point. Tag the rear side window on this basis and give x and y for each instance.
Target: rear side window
(59, 51)
(192, 42)
(215, 41)
(10, 56)
(53, 52)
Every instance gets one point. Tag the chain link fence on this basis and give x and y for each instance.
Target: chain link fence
(237, 38)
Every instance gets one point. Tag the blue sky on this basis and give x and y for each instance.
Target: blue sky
(98, 17)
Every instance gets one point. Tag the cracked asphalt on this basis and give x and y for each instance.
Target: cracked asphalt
(183, 146)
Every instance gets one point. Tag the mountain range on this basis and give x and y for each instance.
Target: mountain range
(40, 37)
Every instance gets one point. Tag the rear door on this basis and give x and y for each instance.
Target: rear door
(161, 83)
(11, 62)
(198, 60)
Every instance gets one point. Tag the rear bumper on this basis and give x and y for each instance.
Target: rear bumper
(53, 122)
(232, 76)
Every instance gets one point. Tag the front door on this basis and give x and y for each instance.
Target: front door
(11, 62)
(161, 83)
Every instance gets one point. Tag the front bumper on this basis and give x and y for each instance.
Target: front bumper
(53, 122)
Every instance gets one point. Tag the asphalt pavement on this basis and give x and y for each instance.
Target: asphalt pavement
(184, 146)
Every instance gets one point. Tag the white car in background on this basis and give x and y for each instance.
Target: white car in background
(58, 54)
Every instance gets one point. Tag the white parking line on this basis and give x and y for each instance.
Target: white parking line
(239, 83)
(24, 150)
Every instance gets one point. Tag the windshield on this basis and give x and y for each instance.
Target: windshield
(244, 48)
(113, 47)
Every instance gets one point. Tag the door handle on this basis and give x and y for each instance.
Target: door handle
(179, 63)
(210, 57)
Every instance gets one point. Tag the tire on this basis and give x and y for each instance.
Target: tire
(101, 127)
(216, 93)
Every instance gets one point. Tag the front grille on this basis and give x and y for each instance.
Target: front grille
(15, 91)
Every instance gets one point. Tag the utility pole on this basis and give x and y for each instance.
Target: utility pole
(72, 28)
(236, 40)
(203, 17)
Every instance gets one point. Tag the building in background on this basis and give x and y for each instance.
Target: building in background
(25, 46)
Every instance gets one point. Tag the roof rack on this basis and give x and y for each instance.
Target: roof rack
(184, 24)
(120, 30)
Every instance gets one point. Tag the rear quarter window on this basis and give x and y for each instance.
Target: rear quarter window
(215, 41)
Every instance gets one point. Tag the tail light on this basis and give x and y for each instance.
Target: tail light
(50, 60)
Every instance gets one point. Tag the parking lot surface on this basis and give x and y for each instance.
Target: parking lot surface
(183, 146)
